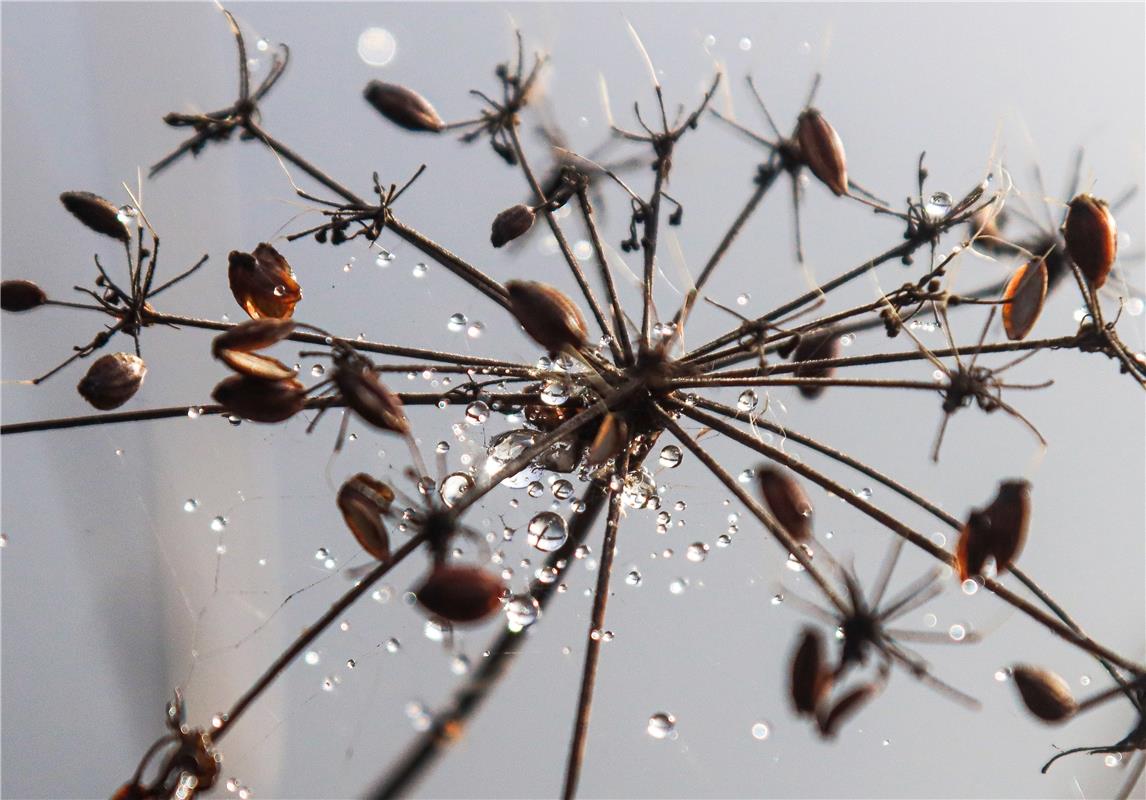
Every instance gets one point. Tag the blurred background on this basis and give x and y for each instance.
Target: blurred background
(142, 557)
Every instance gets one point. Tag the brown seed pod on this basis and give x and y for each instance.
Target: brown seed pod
(787, 501)
(612, 436)
(363, 501)
(811, 680)
(263, 283)
(548, 316)
(1025, 293)
(1091, 237)
(101, 215)
(234, 348)
(1045, 694)
(817, 345)
(260, 400)
(404, 107)
(130, 791)
(20, 295)
(509, 224)
(849, 704)
(112, 380)
(998, 531)
(822, 150)
(460, 593)
(366, 395)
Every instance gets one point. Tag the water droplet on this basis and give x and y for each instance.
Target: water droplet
(678, 585)
(420, 270)
(639, 489)
(662, 725)
(555, 392)
(937, 206)
(547, 531)
(957, 633)
(318, 370)
(1084, 680)
(1113, 759)
(1002, 674)
(376, 46)
(747, 400)
(742, 299)
(194, 412)
(760, 731)
(454, 486)
(583, 250)
(671, 456)
(311, 657)
(436, 630)
(777, 599)
(697, 552)
(460, 664)
(504, 448)
(190, 504)
(930, 620)
(1133, 306)
(745, 44)
(746, 475)
(633, 578)
(475, 330)
(562, 489)
(521, 611)
(217, 524)
(456, 322)
(970, 586)
(886, 742)
(477, 412)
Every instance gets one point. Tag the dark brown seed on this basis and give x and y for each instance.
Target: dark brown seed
(372, 401)
(818, 345)
(460, 594)
(511, 223)
(1091, 237)
(252, 335)
(1025, 293)
(548, 316)
(787, 502)
(113, 380)
(1045, 694)
(404, 107)
(130, 791)
(811, 682)
(998, 531)
(363, 502)
(611, 438)
(849, 704)
(101, 215)
(19, 295)
(260, 400)
(822, 150)
(263, 283)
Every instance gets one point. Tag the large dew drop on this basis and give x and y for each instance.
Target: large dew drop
(547, 531)
(662, 725)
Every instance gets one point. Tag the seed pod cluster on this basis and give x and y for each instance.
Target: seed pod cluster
(265, 389)
(1091, 237)
(998, 531)
(548, 316)
(263, 283)
(1045, 694)
(515, 221)
(101, 215)
(364, 501)
(811, 687)
(460, 594)
(21, 295)
(1024, 295)
(112, 380)
(404, 107)
(822, 150)
(821, 344)
(787, 501)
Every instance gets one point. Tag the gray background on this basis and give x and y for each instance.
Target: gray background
(112, 594)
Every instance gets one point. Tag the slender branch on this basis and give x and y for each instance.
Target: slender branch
(619, 329)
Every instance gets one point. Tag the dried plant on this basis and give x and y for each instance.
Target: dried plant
(616, 389)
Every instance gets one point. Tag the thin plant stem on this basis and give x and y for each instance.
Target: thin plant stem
(619, 329)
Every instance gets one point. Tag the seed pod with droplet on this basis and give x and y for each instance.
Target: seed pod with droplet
(363, 501)
(1045, 694)
(404, 107)
(1091, 237)
(460, 593)
(366, 395)
(260, 400)
(787, 502)
(1025, 293)
(113, 380)
(612, 436)
(263, 283)
(548, 316)
(849, 704)
(998, 531)
(20, 295)
(101, 215)
(822, 150)
(234, 348)
(818, 345)
(509, 224)
(811, 680)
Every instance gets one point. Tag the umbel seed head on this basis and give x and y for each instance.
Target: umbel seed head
(548, 316)
(822, 150)
(112, 380)
(509, 224)
(20, 295)
(263, 283)
(101, 215)
(1045, 694)
(404, 107)
(1091, 237)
